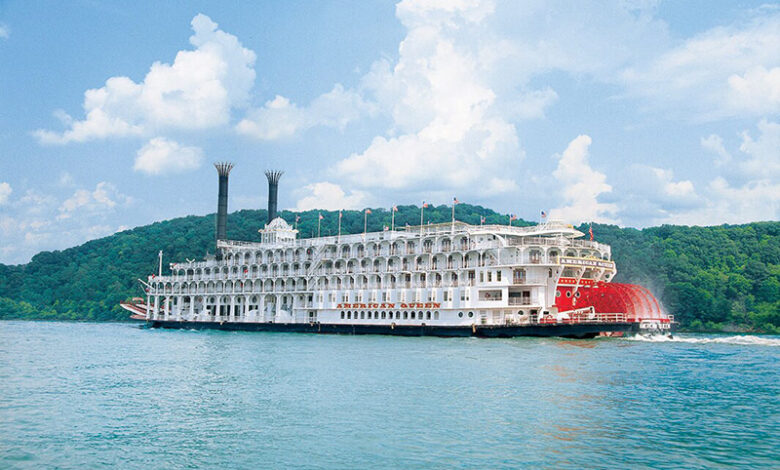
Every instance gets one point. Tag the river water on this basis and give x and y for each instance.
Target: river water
(81, 395)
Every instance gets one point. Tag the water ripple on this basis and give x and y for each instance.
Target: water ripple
(111, 395)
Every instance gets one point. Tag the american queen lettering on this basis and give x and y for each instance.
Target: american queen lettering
(389, 306)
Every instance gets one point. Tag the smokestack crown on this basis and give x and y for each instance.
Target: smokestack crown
(223, 168)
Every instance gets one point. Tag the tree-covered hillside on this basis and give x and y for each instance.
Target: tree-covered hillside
(714, 277)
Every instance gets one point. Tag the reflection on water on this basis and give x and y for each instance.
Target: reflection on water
(112, 395)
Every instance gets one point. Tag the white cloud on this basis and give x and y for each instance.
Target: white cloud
(39, 221)
(5, 192)
(197, 91)
(279, 118)
(753, 201)
(714, 143)
(763, 153)
(4, 32)
(447, 130)
(103, 199)
(66, 179)
(723, 72)
(582, 186)
(757, 90)
(329, 196)
(163, 156)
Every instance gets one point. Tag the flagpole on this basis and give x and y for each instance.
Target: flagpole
(319, 223)
(392, 219)
(452, 227)
(338, 239)
(422, 208)
(365, 223)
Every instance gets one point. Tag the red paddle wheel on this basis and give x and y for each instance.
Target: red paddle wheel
(610, 297)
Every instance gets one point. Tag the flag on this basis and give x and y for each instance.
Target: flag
(590, 231)
(297, 218)
(340, 214)
(321, 217)
(395, 208)
(425, 205)
(387, 228)
(512, 217)
(455, 200)
(368, 211)
(482, 220)
(544, 214)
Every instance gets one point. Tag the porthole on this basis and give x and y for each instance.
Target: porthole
(460, 314)
(577, 294)
(557, 293)
(471, 314)
(568, 293)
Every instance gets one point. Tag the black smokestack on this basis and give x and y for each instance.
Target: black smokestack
(223, 169)
(273, 187)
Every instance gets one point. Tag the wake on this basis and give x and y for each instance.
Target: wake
(743, 340)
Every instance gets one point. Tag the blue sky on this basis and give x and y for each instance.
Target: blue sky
(632, 112)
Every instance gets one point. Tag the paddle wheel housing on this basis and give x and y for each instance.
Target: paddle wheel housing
(636, 302)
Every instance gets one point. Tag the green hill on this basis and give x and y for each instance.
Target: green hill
(725, 277)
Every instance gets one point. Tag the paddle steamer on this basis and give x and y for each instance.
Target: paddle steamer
(451, 279)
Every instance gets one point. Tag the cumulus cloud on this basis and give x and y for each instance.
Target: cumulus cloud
(329, 196)
(582, 186)
(447, 130)
(103, 198)
(197, 91)
(714, 143)
(723, 72)
(763, 153)
(279, 118)
(757, 90)
(38, 221)
(163, 156)
(5, 192)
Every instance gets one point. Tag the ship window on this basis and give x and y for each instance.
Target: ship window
(577, 294)
(460, 314)
(427, 315)
(376, 315)
(384, 314)
(406, 315)
(568, 293)
(342, 314)
(471, 314)
(557, 293)
(498, 276)
(362, 315)
(490, 276)
(397, 315)
(435, 315)
(349, 315)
